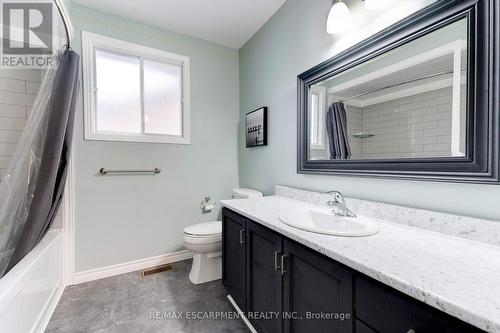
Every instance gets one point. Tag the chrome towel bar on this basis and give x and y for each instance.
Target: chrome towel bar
(103, 171)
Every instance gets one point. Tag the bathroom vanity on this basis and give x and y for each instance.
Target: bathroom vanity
(346, 284)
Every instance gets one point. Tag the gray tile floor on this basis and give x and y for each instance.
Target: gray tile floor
(125, 303)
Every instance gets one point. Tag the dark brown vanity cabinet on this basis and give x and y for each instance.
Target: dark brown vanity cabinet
(317, 289)
(233, 260)
(264, 279)
(380, 309)
(285, 287)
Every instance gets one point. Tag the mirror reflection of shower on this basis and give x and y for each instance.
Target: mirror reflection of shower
(407, 103)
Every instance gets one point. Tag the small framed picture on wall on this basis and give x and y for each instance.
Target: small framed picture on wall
(256, 127)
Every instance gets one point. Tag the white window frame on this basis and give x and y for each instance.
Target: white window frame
(91, 42)
(321, 93)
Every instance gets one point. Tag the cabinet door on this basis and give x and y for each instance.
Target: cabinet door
(233, 255)
(317, 294)
(389, 311)
(264, 282)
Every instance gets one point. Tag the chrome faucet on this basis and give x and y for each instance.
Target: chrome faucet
(338, 205)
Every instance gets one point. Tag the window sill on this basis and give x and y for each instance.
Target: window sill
(166, 139)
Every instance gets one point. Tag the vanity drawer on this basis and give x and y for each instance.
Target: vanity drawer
(388, 311)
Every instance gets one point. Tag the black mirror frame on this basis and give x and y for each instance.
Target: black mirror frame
(481, 165)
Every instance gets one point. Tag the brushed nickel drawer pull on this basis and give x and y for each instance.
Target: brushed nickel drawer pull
(242, 236)
(276, 261)
(283, 271)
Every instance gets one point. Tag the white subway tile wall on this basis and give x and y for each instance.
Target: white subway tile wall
(414, 126)
(18, 89)
(354, 118)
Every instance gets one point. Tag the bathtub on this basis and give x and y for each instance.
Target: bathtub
(30, 291)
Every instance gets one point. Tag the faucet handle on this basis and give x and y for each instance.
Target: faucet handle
(337, 196)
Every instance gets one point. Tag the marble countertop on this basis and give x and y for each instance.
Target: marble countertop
(457, 276)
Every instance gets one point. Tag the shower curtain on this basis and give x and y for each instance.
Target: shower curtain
(336, 127)
(31, 191)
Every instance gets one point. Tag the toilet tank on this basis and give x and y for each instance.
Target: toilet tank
(242, 193)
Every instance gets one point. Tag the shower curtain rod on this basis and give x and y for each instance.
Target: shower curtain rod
(398, 84)
(66, 24)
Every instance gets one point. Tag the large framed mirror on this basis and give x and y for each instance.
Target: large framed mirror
(419, 100)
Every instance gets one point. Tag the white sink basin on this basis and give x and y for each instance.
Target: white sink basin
(323, 221)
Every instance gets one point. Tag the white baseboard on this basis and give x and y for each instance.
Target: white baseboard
(131, 266)
(48, 310)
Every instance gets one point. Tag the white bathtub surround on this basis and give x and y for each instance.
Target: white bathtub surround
(455, 275)
(485, 231)
(30, 291)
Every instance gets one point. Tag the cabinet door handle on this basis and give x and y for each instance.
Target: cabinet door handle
(276, 260)
(242, 236)
(283, 270)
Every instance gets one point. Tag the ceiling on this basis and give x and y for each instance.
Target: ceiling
(227, 22)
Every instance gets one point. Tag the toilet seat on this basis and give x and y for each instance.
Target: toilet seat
(202, 240)
(204, 230)
(203, 233)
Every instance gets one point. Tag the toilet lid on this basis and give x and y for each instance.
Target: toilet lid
(204, 229)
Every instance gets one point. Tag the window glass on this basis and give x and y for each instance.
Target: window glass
(118, 92)
(162, 98)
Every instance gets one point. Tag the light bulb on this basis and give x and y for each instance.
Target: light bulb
(339, 18)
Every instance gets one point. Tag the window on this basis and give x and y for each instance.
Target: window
(317, 114)
(134, 93)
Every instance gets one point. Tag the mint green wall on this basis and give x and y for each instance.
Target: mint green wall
(292, 41)
(125, 218)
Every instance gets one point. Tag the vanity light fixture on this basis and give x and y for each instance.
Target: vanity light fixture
(339, 18)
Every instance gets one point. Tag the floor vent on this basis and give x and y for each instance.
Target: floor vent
(158, 269)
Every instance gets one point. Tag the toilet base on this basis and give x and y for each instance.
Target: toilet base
(206, 267)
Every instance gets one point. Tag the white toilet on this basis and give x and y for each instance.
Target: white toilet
(205, 241)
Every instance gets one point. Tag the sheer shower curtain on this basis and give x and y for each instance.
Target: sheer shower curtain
(31, 191)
